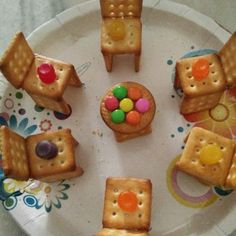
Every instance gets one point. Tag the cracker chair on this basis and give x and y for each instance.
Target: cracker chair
(121, 30)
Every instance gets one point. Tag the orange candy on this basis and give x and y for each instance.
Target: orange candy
(128, 201)
(200, 69)
(133, 117)
(134, 93)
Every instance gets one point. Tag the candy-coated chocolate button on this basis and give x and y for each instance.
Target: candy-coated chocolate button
(133, 117)
(142, 105)
(111, 103)
(46, 149)
(118, 116)
(128, 201)
(134, 93)
(120, 92)
(126, 104)
(210, 154)
(200, 69)
(46, 73)
(116, 30)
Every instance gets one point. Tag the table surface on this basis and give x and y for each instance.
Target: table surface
(27, 15)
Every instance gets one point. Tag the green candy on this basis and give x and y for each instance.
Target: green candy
(120, 92)
(118, 116)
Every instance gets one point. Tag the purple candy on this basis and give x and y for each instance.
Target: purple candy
(46, 149)
(142, 105)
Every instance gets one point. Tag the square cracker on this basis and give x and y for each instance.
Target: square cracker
(189, 161)
(120, 232)
(16, 61)
(231, 178)
(114, 8)
(34, 86)
(14, 154)
(62, 163)
(59, 105)
(213, 83)
(201, 103)
(131, 42)
(115, 217)
(228, 59)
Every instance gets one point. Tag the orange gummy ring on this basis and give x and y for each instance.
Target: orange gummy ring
(133, 117)
(128, 201)
(200, 69)
(134, 93)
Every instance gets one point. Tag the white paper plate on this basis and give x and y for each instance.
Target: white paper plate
(181, 206)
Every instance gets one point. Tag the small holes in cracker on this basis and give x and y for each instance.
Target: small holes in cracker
(111, 6)
(121, 14)
(112, 13)
(130, 7)
(141, 192)
(140, 215)
(121, 6)
(115, 190)
(114, 213)
(61, 150)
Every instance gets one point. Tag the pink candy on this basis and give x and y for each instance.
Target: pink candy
(142, 105)
(111, 103)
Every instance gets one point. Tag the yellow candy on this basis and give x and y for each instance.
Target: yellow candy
(210, 154)
(116, 30)
(126, 104)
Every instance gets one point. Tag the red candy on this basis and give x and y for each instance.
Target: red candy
(111, 103)
(46, 73)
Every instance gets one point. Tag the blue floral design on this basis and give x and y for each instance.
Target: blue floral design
(49, 196)
(21, 128)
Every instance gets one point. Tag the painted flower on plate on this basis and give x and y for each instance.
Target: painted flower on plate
(221, 119)
(49, 196)
(19, 127)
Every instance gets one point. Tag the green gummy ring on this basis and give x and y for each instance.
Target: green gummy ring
(118, 116)
(120, 92)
